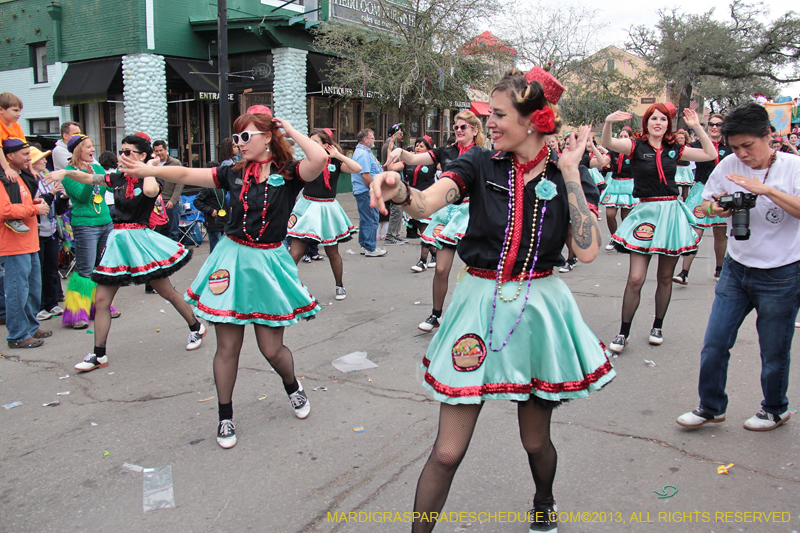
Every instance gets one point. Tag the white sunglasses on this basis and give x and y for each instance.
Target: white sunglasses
(245, 136)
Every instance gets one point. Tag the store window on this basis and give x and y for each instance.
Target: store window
(432, 126)
(44, 126)
(39, 62)
(322, 113)
(349, 125)
(113, 125)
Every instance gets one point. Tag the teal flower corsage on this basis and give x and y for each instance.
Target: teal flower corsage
(425, 169)
(546, 190)
(627, 161)
(332, 167)
(137, 191)
(276, 180)
(671, 153)
(722, 152)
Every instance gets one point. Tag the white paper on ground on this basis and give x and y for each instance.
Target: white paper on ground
(157, 489)
(353, 361)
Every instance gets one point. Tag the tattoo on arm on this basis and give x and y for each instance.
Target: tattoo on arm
(585, 230)
(402, 193)
(99, 179)
(452, 196)
(418, 207)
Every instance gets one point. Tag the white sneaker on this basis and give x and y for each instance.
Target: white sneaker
(764, 421)
(363, 251)
(300, 403)
(43, 315)
(56, 311)
(610, 246)
(90, 362)
(656, 337)
(341, 294)
(226, 434)
(377, 252)
(196, 338)
(618, 344)
(699, 417)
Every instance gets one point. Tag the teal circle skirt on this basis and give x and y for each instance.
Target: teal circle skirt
(448, 229)
(552, 354)
(239, 284)
(438, 220)
(658, 227)
(619, 194)
(319, 220)
(597, 176)
(694, 204)
(136, 254)
(684, 176)
(412, 222)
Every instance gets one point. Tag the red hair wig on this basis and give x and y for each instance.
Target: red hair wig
(669, 137)
(279, 148)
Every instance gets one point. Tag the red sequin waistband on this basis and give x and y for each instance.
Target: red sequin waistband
(659, 199)
(259, 245)
(492, 274)
(622, 179)
(129, 226)
(318, 199)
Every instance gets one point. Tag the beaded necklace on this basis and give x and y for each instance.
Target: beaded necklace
(772, 159)
(264, 222)
(516, 182)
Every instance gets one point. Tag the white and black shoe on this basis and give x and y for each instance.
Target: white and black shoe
(341, 294)
(656, 337)
(681, 278)
(544, 518)
(764, 421)
(420, 266)
(432, 262)
(618, 344)
(569, 266)
(91, 362)
(196, 338)
(226, 434)
(699, 417)
(300, 402)
(610, 245)
(429, 324)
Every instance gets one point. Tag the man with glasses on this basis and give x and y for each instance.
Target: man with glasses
(368, 216)
(170, 194)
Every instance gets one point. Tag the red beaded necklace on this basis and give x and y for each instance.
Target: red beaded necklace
(254, 172)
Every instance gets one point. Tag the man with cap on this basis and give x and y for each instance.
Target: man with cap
(396, 213)
(20, 252)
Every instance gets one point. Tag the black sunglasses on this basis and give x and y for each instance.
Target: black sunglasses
(127, 153)
(714, 124)
(461, 127)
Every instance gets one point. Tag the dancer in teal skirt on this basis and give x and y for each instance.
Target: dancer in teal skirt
(704, 220)
(618, 196)
(421, 177)
(133, 253)
(250, 278)
(513, 330)
(317, 217)
(447, 226)
(661, 224)
(684, 177)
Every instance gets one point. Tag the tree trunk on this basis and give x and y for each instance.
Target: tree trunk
(683, 102)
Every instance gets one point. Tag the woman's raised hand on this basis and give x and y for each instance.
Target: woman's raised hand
(134, 167)
(691, 118)
(619, 116)
(575, 148)
(384, 187)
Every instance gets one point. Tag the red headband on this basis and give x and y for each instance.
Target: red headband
(552, 88)
(329, 132)
(259, 109)
(142, 135)
(672, 111)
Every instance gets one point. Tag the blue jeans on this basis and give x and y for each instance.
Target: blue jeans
(90, 241)
(775, 295)
(367, 222)
(23, 286)
(213, 239)
(2, 288)
(174, 215)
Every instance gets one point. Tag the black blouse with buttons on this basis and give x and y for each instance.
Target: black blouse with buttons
(705, 168)
(136, 210)
(420, 176)
(620, 165)
(317, 188)
(281, 193)
(483, 175)
(445, 155)
(651, 168)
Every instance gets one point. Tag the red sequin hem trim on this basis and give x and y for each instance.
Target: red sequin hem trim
(492, 274)
(658, 199)
(144, 268)
(248, 316)
(335, 240)
(619, 206)
(129, 226)
(310, 198)
(516, 388)
(259, 245)
(663, 251)
(621, 179)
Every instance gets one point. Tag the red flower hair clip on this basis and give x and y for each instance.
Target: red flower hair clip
(544, 120)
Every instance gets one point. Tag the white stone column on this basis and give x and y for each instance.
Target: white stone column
(145, 95)
(289, 89)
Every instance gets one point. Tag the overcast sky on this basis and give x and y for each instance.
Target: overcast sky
(619, 16)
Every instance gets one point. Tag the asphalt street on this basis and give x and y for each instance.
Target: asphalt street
(155, 406)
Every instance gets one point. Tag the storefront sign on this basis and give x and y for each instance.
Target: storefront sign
(367, 13)
(347, 92)
(213, 96)
(648, 100)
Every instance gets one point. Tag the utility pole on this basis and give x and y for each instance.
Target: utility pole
(222, 59)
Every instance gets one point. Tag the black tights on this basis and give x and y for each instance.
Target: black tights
(636, 277)
(229, 345)
(456, 425)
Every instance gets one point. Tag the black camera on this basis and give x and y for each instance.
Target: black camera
(740, 203)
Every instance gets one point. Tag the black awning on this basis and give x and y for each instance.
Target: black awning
(317, 72)
(86, 82)
(197, 74)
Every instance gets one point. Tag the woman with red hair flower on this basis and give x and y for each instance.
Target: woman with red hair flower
(660, 224)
